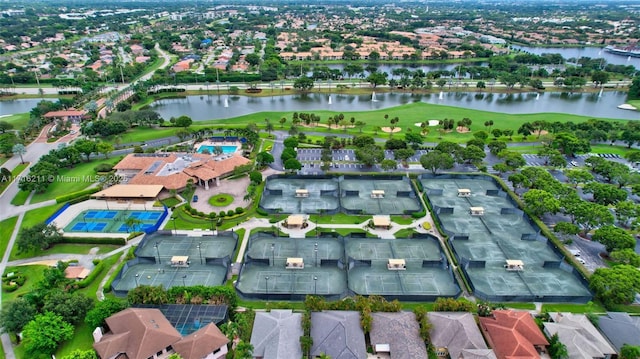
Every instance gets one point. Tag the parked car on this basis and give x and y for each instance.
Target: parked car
(195, 198)
(574, 163)
(581, 260)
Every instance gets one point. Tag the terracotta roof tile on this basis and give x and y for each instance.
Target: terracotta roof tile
(513, 334)
(200, 343)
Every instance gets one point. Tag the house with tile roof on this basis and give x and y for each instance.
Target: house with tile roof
(145, 333)
(581, 338)
(66, 115)
(337, 334)
(276, 334)
(620, 329)
(397, 334)
(174, 170)
(456, 335)
(513, 334)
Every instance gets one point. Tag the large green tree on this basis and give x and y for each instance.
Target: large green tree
(614, 238)
(369, 155)
(605, 194)
(103, 310)
(436, 160)
(541, 202)
(44, 333)
(40, 236)
(630, 351)
(16, 314)
(615, 285)
(72, 307)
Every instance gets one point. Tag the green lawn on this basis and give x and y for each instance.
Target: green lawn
(6, 229)
(171, 202)
(620, 150)
(20, 198)
(62, 248)
(34, 274)
(590, 307)
(522, 306)
(38, 215)
(408, 114)
(18, 120)
(73, 179)
(402, 219)
(15, 172)
(338, 218)
(220, 200)
(404, 233)
(90, 291)
(340, 231)
(82, 339)
(240, 233)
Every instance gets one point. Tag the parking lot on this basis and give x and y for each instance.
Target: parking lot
(345, 161)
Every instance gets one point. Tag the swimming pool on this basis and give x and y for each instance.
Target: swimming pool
(210, 149)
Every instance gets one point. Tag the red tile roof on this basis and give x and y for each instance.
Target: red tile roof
(65, 113)
(513, 334)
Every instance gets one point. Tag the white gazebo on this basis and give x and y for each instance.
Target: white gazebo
(180, 261)
(295, 263)
(464, 192)
(396, 264)
(476, 211)
(302, 193)
(295, 221)
(514, 265)
(377, 193)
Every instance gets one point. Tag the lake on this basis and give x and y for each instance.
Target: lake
(201, 108)
(9, 107)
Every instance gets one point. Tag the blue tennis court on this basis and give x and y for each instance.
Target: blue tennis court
(88, 226)
(115, 221)
(100, 214)
(145, 215)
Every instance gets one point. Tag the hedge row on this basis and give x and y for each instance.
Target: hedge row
(129, 256)
(92, 276)
(81, 240)
(74, 195)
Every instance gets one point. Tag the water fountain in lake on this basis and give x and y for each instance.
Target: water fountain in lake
(537, 96)
(601, 89)
(441, 96)
(329, 99)
(373, 97)
(226, 102)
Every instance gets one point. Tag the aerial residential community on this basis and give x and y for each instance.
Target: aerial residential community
(320, 179)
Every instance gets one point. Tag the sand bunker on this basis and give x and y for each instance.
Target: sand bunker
(388, 129)
(461, 129)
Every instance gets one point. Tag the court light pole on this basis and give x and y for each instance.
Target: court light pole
(175, 231)
(315, 285)
(155, 245)
(183, 282)
(200, 251)
(136, 277)
(266, 286)
(315, 250)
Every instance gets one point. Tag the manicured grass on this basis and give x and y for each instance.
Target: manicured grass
(220, 200)
(523, 306)
(402, 219)
(18, 120)
(62, 248)
(408, 114)
(6, 229)
(240, 233)
(82, 339)
(90, 291)
(590, 307)
(20, 198)
(338, 218)
(1, 351)
(16, 171)
(73, 179)
(404, 233)
(33, 273)
(618, 150)
(171, 202)
(38, 215)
